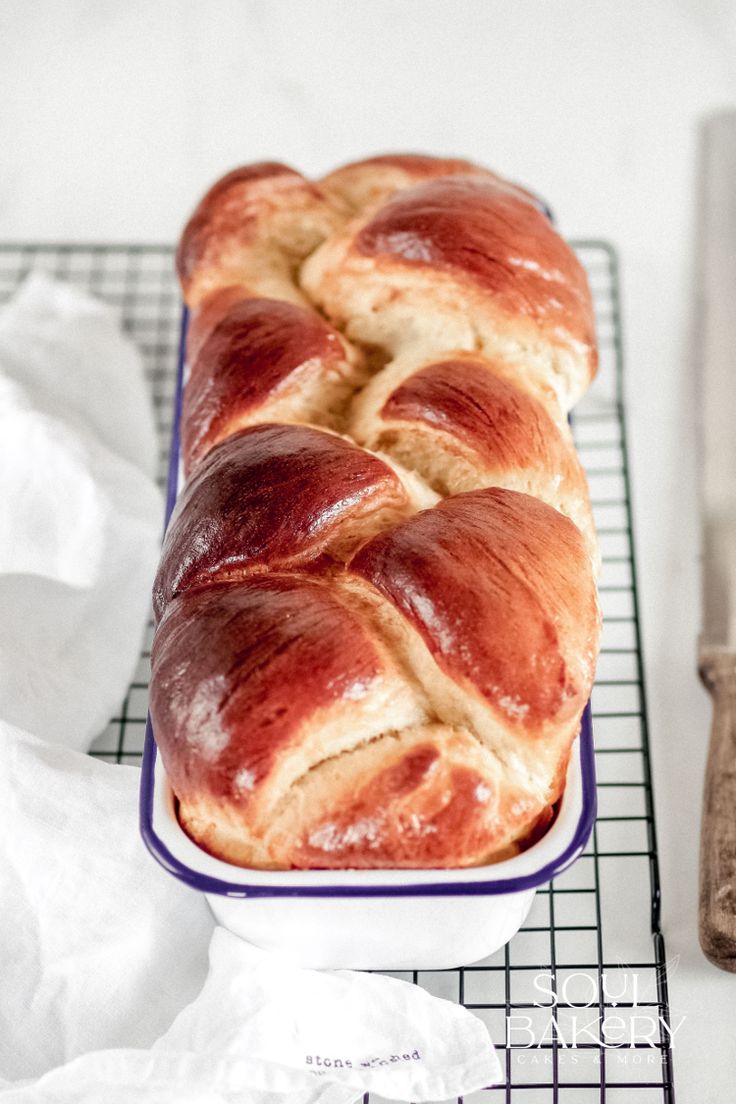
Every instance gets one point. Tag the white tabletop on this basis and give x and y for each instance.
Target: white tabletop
(115, 116)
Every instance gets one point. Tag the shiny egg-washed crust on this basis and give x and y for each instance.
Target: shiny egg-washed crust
(274, 497)
(462, 262)
(257, 680)
(365, 184)
(253, 228)
(263, 360)
(376, 606)
(463, 423)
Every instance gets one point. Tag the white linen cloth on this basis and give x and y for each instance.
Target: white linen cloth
(80, 516)
(116, 984)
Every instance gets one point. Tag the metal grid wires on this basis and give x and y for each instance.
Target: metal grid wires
(588, 967)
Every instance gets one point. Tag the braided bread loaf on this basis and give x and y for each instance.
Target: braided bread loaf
(376, 610)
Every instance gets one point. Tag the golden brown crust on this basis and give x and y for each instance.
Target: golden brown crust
(208, 314)
(465, 423)
(499, 588)
(274, 497)
(261, 360)
(366, 183)
(475, 405)
(221, 660)
(247, 762)
(338, 679)
(430, 800)
(251, 228)
(244, 644)
(462, 263)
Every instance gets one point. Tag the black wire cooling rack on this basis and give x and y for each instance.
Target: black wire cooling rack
(577, 1003)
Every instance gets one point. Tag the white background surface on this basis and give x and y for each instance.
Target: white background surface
(114, 117)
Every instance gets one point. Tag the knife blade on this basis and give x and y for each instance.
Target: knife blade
(716, 344)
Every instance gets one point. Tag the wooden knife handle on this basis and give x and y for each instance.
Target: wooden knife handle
(718, 829)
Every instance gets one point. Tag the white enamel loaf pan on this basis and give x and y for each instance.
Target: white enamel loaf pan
(368, 919)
